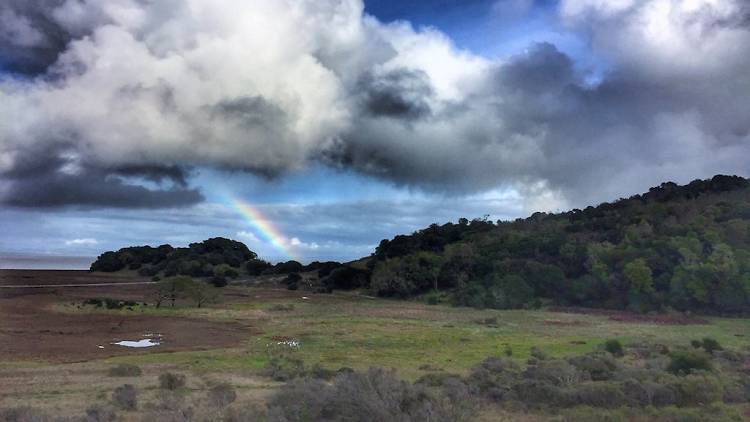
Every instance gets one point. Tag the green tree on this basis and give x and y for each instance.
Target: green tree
(639, 277)
(201, 293)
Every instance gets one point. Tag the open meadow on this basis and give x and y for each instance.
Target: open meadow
(57, 352)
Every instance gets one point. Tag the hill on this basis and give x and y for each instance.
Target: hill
(220, 259)
(682, 247)
(675, 247)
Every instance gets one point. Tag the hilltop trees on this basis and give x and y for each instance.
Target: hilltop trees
(684, 247)
(213, 257)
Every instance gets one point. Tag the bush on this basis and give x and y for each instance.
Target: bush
(710, 345)
(648, 393)
(125, 370)
(222, 395)
(537, 393)
(346, 278)
(284, 369)
(23, 414)
(556, 372)
(171, 381)
(256, 267)
(538, 354)
(219, 281)
(292, 281)
(494, 377)
(614, 347)
(376, 395)
(99, 413)
(432, 298)
(288, 267)
(599, 394)
(683, 363)
(698, 390)
(320, 372)
(125, 397)
(598, 366)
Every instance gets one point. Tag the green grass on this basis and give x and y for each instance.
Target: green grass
(346, 330)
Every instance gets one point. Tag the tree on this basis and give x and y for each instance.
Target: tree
(639, 277)
(201, 293)
(429, 267)
(171, 289)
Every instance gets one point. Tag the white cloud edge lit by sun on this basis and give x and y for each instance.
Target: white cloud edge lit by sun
(82, 242)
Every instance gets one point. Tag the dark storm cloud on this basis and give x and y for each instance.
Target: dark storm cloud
(159, 82)
(94, 189)
(62, 178)
(400, 94)
(154, 173)
(30, 38)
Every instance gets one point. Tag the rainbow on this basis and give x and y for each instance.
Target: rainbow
(263, 225)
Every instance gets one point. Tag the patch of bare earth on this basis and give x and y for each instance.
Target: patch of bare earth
(625, 316)
(31, 330)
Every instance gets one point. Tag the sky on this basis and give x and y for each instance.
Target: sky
(312, 129)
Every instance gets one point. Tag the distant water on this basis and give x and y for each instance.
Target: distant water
(15, 261)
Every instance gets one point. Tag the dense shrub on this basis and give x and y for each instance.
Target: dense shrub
(292, 281)
(288, 267)
(219, 281)
(281, 368)
(125, 397)
(125, 370)
(597, 366)
(556, 372)
(109, 303)
(346, 278)
(648, 393)
(375, 395)
(708, 344)
(171, 381)
(432, 298)
(614, 347)
(494, 377)
(256, 267)
(683, 363)
(599, 394)
(698, 390)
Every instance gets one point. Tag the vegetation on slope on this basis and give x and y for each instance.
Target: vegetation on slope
(675, 247)
(684, 247)
(218, 259)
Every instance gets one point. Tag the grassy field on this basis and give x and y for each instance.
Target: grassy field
(334, 331)
(355, 331)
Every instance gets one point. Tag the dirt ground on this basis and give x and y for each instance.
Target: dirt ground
(31, 329)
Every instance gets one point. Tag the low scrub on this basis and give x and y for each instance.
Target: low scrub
(125, 397)
(222, 395)
(683, 363)
(171, 381)
(110, 303)
(376, 395)
(125, 370)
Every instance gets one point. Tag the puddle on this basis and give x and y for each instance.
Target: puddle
(146, 342)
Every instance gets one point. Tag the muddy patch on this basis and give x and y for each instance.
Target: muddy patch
(632, 317)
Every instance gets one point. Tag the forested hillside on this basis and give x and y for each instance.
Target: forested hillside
(681, 247)
(675, 247)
